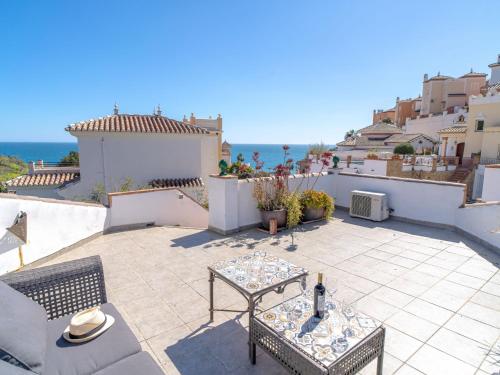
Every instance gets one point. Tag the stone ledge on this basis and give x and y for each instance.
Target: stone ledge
(50, 200)
(446, 183)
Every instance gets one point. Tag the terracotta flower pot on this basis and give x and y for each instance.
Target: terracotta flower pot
(310, 214)
(279, 215)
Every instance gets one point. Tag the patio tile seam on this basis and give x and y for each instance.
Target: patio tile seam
(426, 343)
(490, 351)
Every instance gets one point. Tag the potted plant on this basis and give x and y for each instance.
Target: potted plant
(271, 193)
(316, 205)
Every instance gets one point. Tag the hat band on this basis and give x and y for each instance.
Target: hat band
(91, 332)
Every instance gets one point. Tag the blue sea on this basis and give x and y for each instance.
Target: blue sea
(270, 154)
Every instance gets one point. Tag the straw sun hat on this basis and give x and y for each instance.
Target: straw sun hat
(87, 325)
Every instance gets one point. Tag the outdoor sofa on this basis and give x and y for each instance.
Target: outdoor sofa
(31, 339)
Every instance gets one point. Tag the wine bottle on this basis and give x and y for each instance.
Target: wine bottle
(319, 298)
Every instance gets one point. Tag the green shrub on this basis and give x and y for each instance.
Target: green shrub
(11, 167)
(316, 149)
(317, 199)
(73, 158)
(404, 149)
(294, 210)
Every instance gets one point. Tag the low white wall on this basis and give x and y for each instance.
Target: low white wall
(482, 220)
(428, 201)
(52, 226)
(158, 206)
(376, 167)
(232, 205)
(491, 183)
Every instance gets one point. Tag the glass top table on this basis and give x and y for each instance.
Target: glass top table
(253, 276)
(345, 339)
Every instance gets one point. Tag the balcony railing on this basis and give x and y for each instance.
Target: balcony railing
(490, 161)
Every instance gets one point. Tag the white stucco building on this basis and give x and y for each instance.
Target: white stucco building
(140, 149)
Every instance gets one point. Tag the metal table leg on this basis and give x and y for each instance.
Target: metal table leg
(380, 362)
(251, 344)
(211, 284)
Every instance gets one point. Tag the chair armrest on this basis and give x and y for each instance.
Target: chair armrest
(63, 288)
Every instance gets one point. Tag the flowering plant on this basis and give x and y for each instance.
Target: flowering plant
(271, 192)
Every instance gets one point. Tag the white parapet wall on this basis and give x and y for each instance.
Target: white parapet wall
(482, 221)
(233, 207)
(169, 206)
(52, 225)
(491, 183)
(419, 200)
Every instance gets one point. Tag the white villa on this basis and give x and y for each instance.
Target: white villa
(144, 150)
(383, 137)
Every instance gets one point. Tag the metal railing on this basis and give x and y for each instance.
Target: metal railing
(490, 161)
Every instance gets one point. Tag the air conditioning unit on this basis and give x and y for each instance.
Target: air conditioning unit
(369, 205)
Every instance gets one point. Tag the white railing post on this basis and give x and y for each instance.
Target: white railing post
(223, 204)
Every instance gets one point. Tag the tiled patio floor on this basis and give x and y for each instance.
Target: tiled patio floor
(437, 293)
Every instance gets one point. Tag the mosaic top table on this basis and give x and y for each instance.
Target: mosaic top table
(253, 276)
(341, 343)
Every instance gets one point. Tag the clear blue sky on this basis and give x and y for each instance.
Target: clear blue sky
(278, 71)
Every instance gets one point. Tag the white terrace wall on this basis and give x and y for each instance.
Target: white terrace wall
(52, 226)
(491, 183)
(168, 206)
(233, 207)
(419, 200)
(482, 221)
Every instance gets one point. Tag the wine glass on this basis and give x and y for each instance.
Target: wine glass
(349, 311)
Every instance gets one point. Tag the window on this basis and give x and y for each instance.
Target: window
(479, 125)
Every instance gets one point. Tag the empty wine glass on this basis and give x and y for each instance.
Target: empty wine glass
(339, 344)
(303, 286)
(349, 311)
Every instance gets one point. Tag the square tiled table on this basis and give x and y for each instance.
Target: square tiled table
(253, 276)
(343, 342)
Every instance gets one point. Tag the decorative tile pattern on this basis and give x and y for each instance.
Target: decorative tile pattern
(255, 272)
(325, 339)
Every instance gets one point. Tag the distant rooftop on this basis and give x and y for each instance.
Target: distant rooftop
(124, 123)
(43, 179)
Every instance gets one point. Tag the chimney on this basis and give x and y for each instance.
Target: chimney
(158, 111)
(115, 109)
(219, 122)
(192, 119)
(31, 167)
(426, 77)
(498, 59)
(397, 99)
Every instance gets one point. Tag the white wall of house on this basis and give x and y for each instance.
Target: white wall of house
(159, 207)
(491, 183)
(109, 158)
(375, 167)
(52, 226)
(432, 124)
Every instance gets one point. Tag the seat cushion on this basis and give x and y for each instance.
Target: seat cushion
(8, 369)
(64, 358)
(140, 363)
(23, 330)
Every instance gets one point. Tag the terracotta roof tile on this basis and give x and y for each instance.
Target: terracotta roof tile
(43, 179)
(177, 182)
(381, 128)
(136, 124)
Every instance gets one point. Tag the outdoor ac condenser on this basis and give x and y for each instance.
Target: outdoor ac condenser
(369, 205)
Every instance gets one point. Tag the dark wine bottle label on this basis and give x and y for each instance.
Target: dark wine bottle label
(321, 303)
